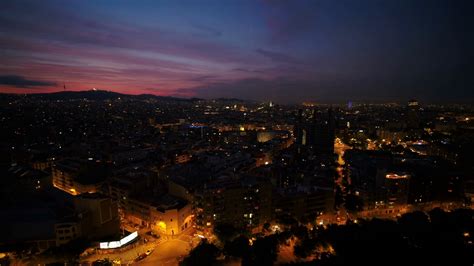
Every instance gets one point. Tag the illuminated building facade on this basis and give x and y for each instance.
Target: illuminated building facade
(64, 174)
(397, 188)
(303, 202)
(167, 214)
(243, 203)
(73, 177)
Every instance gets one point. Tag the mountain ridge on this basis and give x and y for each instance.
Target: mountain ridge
(98, 95)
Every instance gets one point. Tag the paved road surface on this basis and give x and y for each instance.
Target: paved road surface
(167, 253)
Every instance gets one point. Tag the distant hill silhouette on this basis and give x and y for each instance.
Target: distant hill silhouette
(97, 95)
(94, 95)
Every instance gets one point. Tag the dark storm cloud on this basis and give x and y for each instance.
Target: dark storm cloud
(22, 82)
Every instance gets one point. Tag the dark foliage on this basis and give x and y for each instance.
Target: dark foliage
(203, 254)
(239, 247)
(225, 232)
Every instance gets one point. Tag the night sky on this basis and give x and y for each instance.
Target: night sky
(286, 51)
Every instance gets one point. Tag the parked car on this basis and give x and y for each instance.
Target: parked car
(103, 262)
(148, 252)
(151, 233)
(140, 257)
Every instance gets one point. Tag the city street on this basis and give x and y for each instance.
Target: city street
(167, 253)
(125, 257)
(166, 250)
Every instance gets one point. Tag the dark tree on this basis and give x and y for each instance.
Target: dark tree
(264, 251)
(225, 232)
(304, 248)
(203, 254)
(239, 247)
(300, 231)
(353, 203)
(266, 226)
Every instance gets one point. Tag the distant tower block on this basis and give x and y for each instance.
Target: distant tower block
(413, 116)
(413, 103)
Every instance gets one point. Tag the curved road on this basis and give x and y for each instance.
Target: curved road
(167, 253)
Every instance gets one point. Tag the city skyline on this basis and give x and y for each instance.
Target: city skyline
(236, 132)
(287, 52)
